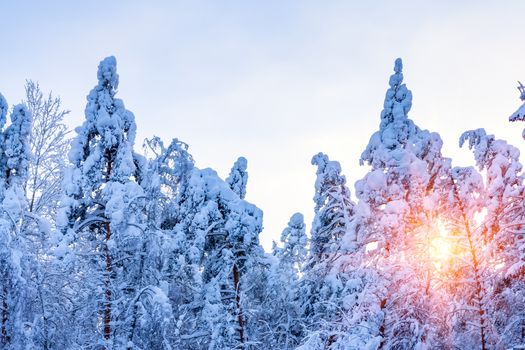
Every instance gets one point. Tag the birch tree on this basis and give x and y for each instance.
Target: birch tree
(49, 145)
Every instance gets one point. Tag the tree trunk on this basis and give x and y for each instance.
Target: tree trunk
(136, 306)
(382, 327)
(44, 317)
(5, 317)
(33, 191)
(109, 263)
(329, 341)
(240, 318)
(109, 269)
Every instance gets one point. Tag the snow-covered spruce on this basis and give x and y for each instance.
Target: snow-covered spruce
(103, 220)
(399, 202)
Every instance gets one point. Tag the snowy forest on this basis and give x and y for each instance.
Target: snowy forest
(108, 242)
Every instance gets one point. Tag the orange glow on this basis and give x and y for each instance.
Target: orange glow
(441, 251)
(441, 248)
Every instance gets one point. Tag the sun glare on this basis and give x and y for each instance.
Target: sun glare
(440, 251)
(440, 247)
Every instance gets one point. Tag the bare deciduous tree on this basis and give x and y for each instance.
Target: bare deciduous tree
(49, 145)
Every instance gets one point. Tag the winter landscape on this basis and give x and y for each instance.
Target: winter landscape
(113, 239)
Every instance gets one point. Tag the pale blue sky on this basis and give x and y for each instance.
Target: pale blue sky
(275, 81)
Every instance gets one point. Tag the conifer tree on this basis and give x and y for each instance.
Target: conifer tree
(293, 252)
(323, 284)
(282, 305)
(501, 255)
(214, 252)
(172, 208)
(238, 177)
(16, 260)
(400, 199)
(232, 257)
(519, 115)
(219, 231)
(466, 283)
(102, 211)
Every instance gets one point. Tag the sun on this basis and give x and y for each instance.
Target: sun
(440, 247)
(440, 250)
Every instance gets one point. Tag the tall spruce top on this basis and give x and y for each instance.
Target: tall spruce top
(107, 73)
(398, 99)
(386, 146)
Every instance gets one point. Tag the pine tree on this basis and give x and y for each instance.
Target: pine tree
(333, 208)
(232, 256)
(502, 262)
(172, 209)
(16, 260)
(212, 235)
(466, 283)
(239, 177)
(519, 115)
(400, 199)
(149, 317)
(294, 242)
(102, 213)
(283, 313)
(323, 284)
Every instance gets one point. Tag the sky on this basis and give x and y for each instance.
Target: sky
(275, 81)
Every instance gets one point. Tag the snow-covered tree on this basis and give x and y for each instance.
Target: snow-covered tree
(172, 166)
(9, 277)
(399, 203)
(10, 270)
(103, 217)
(232, 257)
(238, 177)
(293, 238)
(48, 144)
(465, 281)
(333, 208)
(282, 307)
(519, 115)
(500, 254)
(16, 260)
(172, 208)
(16, 146)
(323, 283)
(211, 249)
